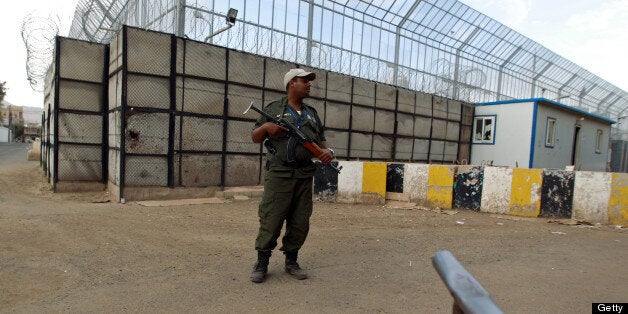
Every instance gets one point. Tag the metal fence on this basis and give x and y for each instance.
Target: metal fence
(619, 158)
(440, 47)
(181, 114)
(74, 129)
(174, 114)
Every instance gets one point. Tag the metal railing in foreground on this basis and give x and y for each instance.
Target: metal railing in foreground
(469, 295)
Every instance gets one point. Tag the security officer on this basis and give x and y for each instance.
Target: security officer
(288, 177)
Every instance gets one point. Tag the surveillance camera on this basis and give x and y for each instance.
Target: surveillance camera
(231, 16)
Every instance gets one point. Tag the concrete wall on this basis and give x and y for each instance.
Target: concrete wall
(74, 126)
(593, 197)
(176, 106)
(214, 86)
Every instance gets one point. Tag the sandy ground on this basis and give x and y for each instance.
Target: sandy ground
(70, 252)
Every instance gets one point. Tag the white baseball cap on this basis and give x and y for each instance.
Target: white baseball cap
(297, 72)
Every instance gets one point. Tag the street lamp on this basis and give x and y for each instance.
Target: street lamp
(230, 18)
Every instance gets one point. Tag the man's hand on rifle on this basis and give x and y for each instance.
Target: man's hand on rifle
(267, 129)
(326, 157)
(273, 129)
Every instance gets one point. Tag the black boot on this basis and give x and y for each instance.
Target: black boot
(261, 266)
(292, 267)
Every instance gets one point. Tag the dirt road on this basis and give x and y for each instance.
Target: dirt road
(73, 253)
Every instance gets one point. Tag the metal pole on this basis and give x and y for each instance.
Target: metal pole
(536, 78)
(180, 22)
(456, 90)
(310, 29)
(501, 72)
(398, 39)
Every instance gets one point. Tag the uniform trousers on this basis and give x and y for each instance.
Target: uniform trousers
(289, 200)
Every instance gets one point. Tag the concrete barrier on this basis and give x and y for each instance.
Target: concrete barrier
(358, 182)
(496, 190)
(440, 186)
(618, 202)
(557, 194)
(415, 182)
(525, 197)
(468, 187)
(593, 197)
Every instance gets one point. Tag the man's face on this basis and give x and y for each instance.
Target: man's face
(301, 86)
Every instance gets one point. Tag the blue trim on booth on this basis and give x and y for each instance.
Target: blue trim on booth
(533, 135)
(545, 100)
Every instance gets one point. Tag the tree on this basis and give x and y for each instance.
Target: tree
(3, 91)
(19, 130)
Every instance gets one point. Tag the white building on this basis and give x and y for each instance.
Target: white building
(5, 134)
(539, 133)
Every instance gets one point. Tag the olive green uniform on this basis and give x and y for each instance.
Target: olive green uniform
(288, 185)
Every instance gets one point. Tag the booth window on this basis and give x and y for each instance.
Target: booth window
(484, 130)
(598, 141)
(550, 132)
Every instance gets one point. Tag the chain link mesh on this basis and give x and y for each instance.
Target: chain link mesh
(361, 114)
(81, 96)
(146, 133)
(80, 128)
(148, 92)
(80, 163)
(239, 137)
(199, 96)
(73, 122)
(200, 134)
(148, 52)
(198, 170)
(146, 171)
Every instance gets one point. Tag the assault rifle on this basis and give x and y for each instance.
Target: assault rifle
(295, 132)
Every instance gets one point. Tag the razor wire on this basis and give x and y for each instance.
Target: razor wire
(99, 20)
(39, 33)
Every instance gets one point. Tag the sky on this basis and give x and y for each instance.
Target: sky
(591, 33)
(13, 50)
